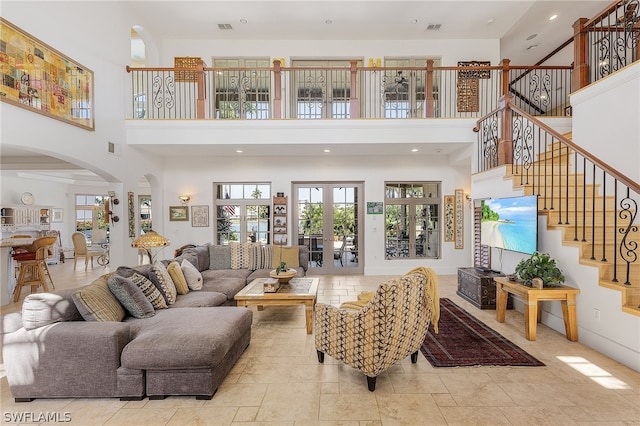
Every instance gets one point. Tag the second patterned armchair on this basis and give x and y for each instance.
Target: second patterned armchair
(389, 327)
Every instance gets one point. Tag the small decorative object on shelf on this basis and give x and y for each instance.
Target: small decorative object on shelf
(539, 265)
(271, 285)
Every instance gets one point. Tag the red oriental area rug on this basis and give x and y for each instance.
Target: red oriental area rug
(464, 341)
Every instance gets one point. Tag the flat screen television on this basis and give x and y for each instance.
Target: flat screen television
(510, 223)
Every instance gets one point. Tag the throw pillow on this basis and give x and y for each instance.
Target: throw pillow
(161, 279)
(150, 291)
(240, 254)
(260, 257)
(285, 254)
(130, 296)
(192, 275)
(219, 257)
(178, 278)
(96, 303)
(39, 309)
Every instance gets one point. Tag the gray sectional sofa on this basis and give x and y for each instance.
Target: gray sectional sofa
(62, 346)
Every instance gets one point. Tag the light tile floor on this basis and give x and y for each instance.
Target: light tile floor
(278, 380)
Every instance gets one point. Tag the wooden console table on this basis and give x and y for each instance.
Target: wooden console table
(532, 298)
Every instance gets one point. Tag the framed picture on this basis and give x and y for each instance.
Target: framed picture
(374, 207)
(56, 215)
(449, 225)
(280, 239)
(279, 230)
(132, 215)
(178, 213)
(280, 221)
(38, 78)
(200, 216)
(280, 209)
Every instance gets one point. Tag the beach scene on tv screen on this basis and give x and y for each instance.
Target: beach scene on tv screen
(510, 223)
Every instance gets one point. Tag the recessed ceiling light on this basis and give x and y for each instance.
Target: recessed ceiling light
(414, 150)
(327, 150)
(552, 17)
(243, 21)
(414, 21)
(533, 46)
(532, 36)
(490, 21)
(239, 151)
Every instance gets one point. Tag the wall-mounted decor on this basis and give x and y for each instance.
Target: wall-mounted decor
(200, 216)
(374, 207)
(449, 219)
(178, 213)
(37, 77)
(459, 218)
(185, 62)
(56, 215)
(132, 215)
(467, 85)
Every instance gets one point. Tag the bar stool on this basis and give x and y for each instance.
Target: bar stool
(33, 268)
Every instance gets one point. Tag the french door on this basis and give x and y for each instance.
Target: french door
(327, 220)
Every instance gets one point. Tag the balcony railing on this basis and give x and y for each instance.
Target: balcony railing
(343, 93)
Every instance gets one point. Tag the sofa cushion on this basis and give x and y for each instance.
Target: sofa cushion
(95, 302)
(192, 275)
(260, 257)
(130, 296)
(219, 257)
(150, 291)
(200, 299)
(214, 274)
(202, 253)
(240, 254)
(128, 271)
(39, 309)
(290, 255)
(160, 343)
(229, 286)
(162, 280)
(175, 271)
(191, 257)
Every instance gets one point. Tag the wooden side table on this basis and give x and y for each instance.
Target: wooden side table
(532, 298)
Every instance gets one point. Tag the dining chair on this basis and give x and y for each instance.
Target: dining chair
(81, 249)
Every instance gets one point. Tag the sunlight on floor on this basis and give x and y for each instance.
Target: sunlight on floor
(595, 373)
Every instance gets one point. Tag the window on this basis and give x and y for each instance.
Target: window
(243, 212)
(412, 228)
(322, 89)
(242, 90)
(91, 214)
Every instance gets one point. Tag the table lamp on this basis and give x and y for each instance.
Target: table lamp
(149, 240)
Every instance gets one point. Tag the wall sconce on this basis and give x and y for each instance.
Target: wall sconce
(374, 63)
(184, 199)
(114, 199)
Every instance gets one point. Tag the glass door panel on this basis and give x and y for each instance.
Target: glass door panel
(327, 222)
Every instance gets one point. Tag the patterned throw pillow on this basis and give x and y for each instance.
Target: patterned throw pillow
(161, 279)
(290, 255)
(149, 290)
(260, 257)
(192, 275)
(178, 278)
(96, 303)
(130, 296)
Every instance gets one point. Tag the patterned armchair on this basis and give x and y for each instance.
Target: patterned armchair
(388, 328)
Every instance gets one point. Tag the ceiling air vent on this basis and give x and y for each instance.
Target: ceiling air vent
(225, 26)
(433, 27)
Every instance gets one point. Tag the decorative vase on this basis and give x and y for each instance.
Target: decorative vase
(284, 276)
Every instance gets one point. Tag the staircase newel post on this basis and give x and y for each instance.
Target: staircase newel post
(580, 45)
(353, 96)
(504, 78)
(277, 89)
(505, 140)
(200, 101)
(429, 99)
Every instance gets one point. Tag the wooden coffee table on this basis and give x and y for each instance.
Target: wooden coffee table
(299, 291)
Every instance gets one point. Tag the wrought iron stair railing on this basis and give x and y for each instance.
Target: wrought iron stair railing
(594, 205)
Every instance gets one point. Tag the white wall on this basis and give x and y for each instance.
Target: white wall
(196, 176)
(605, 120)
(103, 46)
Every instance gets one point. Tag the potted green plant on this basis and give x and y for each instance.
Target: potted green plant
(539, 265)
